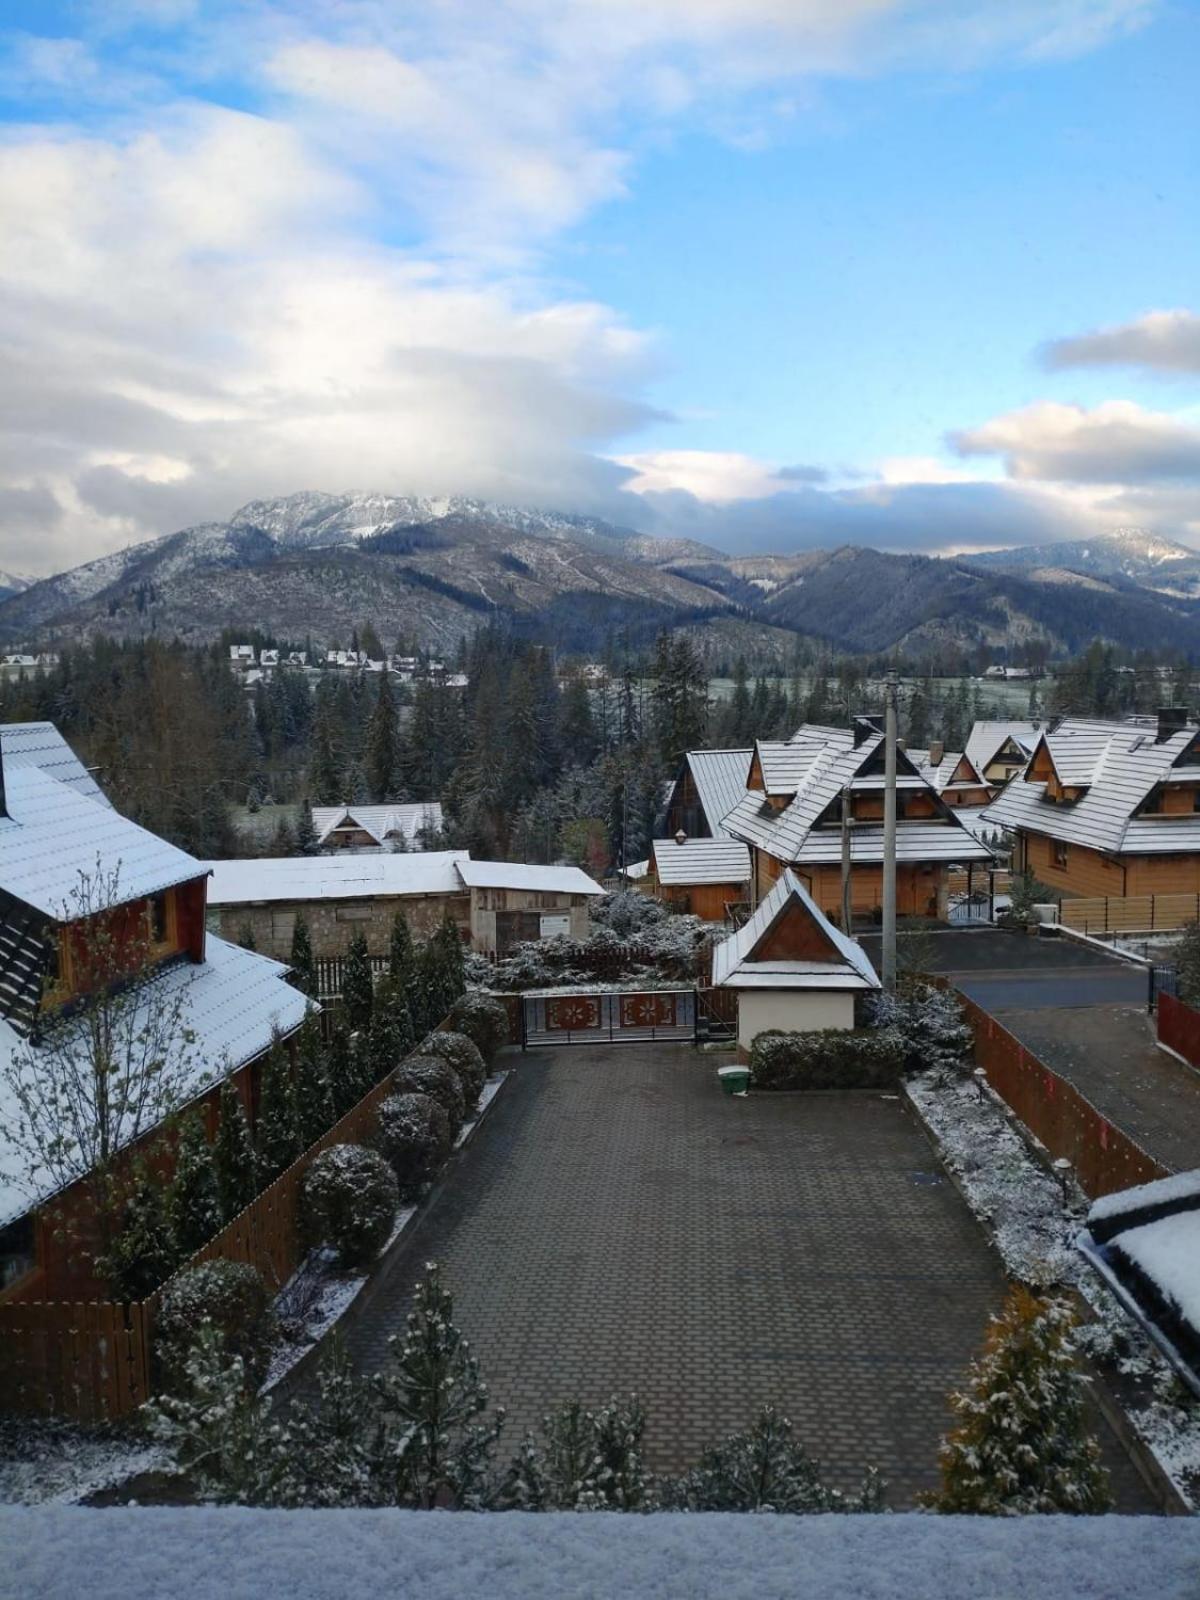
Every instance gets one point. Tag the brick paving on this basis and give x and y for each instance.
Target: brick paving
(618, 1224)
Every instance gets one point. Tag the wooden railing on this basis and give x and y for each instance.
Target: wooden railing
(1179, 1028)
(1132, 913)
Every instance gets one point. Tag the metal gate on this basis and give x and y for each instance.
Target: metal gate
(610, 1018)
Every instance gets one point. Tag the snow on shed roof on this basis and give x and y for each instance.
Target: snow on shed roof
(349, 877)
(236, 1553)
(733, 959)
(234, 1001)
(39, 744)
(1167, 1251)
(720, 779)
(698, 861)
(519, 875)
(53, 836)
(381, 822)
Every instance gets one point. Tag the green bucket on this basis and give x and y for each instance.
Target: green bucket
(734, 1080)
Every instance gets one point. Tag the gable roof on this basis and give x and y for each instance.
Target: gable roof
(736, 960)
(814, 766)
(1116, 765)
(955, 770)
(720, 779)
(54, 836)
(381, 822)
(232, 1002)
(988, 737)
(39, 744)
(700, 861)
(521, 875)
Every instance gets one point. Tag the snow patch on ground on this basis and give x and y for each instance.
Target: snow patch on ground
(489, 1092)
(1034, 1226)
(53, 1463)
(237, 1554)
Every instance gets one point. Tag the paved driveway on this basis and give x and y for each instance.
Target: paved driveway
(618, 1224)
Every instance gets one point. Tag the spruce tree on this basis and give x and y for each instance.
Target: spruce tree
(358, 988)
(193, 1200)
(278, 1124)
(304, 967)
(304, 833)
(431, 1399)
(315, 1109)
(382, 761)
(233, 1155)
(1021, 1444)
(143, 1254)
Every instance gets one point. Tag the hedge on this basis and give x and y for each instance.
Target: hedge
(833, 1058)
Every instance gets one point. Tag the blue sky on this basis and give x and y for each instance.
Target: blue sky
(769, 273)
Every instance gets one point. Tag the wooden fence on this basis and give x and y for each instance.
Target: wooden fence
(91, 1361)
(331, 971)
(1131, 913)
(1104, 1158)
(1179, 1028)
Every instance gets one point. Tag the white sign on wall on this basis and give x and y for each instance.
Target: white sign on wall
(560, 922)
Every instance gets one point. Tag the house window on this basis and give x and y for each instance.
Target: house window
(158, 918)
(1060, 853)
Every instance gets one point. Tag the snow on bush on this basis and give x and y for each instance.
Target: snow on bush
(936, 1036)
(433, 1075)
(230, 1296)
(413, 1135)
(663, 947)
(831, 1058)
(628, 913)
(349, 1200)
(484, 1021)
(463, 1055)
(585, 1460)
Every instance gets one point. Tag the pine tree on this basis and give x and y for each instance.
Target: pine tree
(358, 987)
(431, 1397)
(766, 1469)
(325, 776)
(143, 1253)
(233, 1155)
(193, 1200)
(315, 1107)
(1021, 1443)
(304, 832)
(329, 1452)
(278, 1124)
(304, 967)
(585, 1461)
(340, 1069)
(382, 761)
(400, 950)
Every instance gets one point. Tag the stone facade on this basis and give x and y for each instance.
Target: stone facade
(333, 923)
(502, 917)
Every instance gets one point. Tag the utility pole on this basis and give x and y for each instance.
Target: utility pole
(889, 836)
(846, 896)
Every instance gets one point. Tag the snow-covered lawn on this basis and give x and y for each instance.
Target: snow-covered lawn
(1035, 1228)
(234, 1554)
(46, 1462)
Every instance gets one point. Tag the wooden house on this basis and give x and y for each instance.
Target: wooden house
(997, 749)
(395, 827)
(800, 791)
(705, 877)
(791, 968)
(1109, 808)
(706, 788)
(87, 900)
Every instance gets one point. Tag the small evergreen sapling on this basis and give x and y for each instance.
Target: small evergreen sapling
(767, 1469)
(358, 986)
(278, 1122)
(234, 1158)
(586, 1460)
(438, 1452)
(193, 1200)
(328, 1452)
(1021, 1444)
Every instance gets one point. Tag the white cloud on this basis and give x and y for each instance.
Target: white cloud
(1113, 443)
(713, 476)
(1160, 341)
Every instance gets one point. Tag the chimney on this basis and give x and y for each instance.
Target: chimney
(937, 750)
(1171, 720)
(680, 837)
(865, 728)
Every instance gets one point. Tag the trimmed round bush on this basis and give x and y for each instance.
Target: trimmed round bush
(484, 1021)
(464, 1057)
(349, 1200)
(433, 1075)
(829, 1058)
(413, 1136)
(233, 1297)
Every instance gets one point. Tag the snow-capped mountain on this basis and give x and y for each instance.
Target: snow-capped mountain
(1142, 557)
(10, 583)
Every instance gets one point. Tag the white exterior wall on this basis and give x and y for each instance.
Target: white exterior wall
(792, 1010)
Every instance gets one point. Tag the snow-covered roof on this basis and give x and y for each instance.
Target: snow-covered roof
(236, 1553)
(814, 767)
(698, 861)
(720, 779)
(39, 744)
(945, 773)
(988, 737)
(519, 875)
(1116, 765)
(1179, 1187)
(234, 999)
(734, 959)
(54, 835)
(351, 877)
(381, 822)
(1167, 1252)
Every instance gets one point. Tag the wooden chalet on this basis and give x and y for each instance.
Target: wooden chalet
(395, 827)
(1109, 808)
(798, 793)
(707, 787)
(706, 877)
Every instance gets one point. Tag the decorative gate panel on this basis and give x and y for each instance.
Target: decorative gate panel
(610, 1018)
